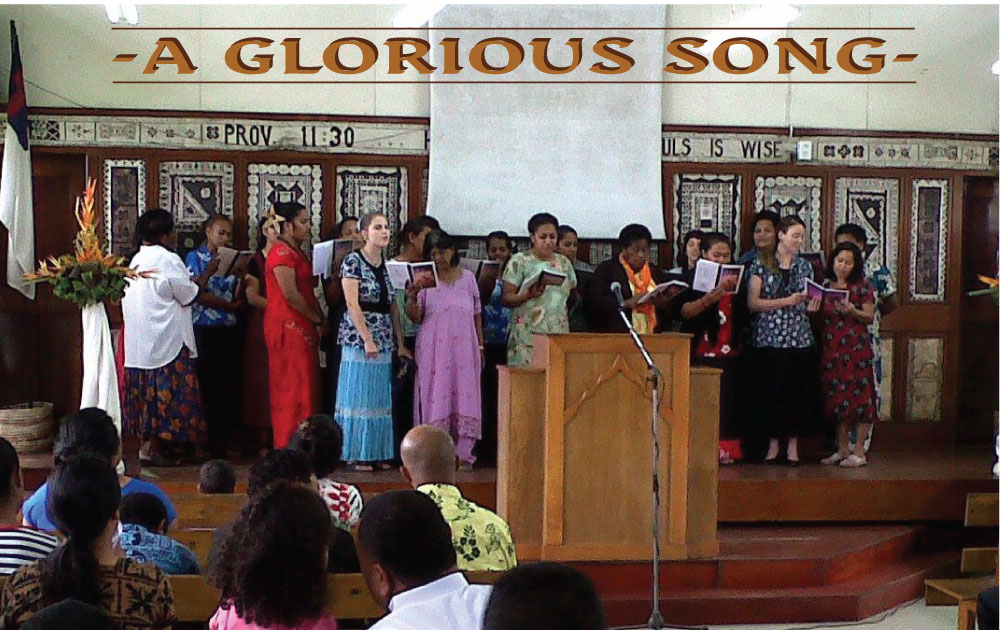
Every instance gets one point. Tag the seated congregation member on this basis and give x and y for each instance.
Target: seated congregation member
(764, 229)
(256, 390)
(544, 596)
(18, 545)
(89, 430)
(429, 465)
(688, 252)
(144, 536)
(217, 332)
(162, 397)
(292, 324)
(847, 376)
(783, 341)
(716, 320)
(84, 499)
(496, 317)
(370, 336)
(568, 244)
(631, 270)
(885, 302)
(408, 562)
(71, 613)
(449, 348)
(217, 476)
(539, 308)
(322, 441)
(271, 568)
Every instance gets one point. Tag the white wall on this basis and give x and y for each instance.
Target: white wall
(67, 49)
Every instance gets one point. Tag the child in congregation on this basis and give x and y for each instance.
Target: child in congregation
(716, 320)
(19, 545)
(846, 371)
(217, 476)
(568, 245)
(89, 430)
(321, 439)
(885, 302)
(144, 536)
(271, 567)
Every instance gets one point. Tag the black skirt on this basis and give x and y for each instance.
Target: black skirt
(784, 391)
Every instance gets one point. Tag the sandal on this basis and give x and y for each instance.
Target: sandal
(836, 458)
(854, 461)
(356, 467)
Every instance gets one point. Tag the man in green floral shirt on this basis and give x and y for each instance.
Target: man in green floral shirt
(482, 539)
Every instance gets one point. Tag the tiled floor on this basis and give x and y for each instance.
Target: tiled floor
(910, 616)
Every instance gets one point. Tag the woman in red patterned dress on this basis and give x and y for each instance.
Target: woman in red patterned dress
(847, 364)
(293, 324)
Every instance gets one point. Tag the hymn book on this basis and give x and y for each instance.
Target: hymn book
(230, 259)
(546, 277)
(815, 291)
(671, 288)
(708, 275)
(423, 275)
(486, 271)
(329, 255)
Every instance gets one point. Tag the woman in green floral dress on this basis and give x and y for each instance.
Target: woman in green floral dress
(540, 309)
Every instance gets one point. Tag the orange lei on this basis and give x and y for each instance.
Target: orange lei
(643, 315)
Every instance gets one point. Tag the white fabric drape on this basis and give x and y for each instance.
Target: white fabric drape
(100, 378)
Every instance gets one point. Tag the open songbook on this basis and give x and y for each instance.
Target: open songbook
(709, 275)
(329, 255)
(485, 270)
(421, 274)
(230, 259)
(546, 277)
(815, 291)
(670, 288)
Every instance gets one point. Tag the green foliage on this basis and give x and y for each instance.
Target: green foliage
(88, 284)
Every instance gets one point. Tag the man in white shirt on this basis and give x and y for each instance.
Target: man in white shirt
(409, 563)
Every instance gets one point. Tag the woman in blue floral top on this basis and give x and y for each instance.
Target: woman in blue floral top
(216, 331)
(781, 333)
(496, 318)
(370, 334)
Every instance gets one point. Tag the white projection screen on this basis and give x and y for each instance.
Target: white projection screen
(587, 153)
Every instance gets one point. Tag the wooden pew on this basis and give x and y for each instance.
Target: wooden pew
(981, 510)
(199, 541)
(206, 511)
(348, 596)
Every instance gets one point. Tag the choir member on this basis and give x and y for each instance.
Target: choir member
(847, 377)
(370, 334)
(256, 398)
(765, 235)
(450, 349)
(568, 244)
(689, 252)
(632, 271)
(540, 307)
(783, 340)
(496, 318)
(336, 307)
(293, 324)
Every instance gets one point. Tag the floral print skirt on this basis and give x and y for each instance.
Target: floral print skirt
(165, 402)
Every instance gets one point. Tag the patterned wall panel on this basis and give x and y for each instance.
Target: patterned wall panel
(872, 203)
(193, 191)
(364, 189)
(271, 183)
(887, 347)
(707, 202)
(801, 196)
(924, 374)
(929, 239)
(124, 201)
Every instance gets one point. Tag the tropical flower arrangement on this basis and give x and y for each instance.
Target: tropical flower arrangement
(992, 288)
(88, 276)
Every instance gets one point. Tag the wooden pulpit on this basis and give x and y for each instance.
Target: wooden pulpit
(574, 472)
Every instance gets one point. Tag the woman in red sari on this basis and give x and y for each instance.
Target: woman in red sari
(293, 324)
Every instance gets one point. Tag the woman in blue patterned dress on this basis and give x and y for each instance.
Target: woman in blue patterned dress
(781, 333)
(370, 334)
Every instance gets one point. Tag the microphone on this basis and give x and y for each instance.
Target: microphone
(616, 288)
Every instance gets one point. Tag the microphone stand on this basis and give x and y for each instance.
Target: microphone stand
(655, 618)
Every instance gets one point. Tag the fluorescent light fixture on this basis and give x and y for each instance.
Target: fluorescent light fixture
(416, 14)
(122, 13)
(777, 15)
(996, 67)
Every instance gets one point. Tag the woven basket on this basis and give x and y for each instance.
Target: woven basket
(29, 428)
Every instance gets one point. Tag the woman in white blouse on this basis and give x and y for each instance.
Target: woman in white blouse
(162, 401)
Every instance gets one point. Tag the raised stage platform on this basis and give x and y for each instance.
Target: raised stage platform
(806, 544)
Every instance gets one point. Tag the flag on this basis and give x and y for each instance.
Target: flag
(16, 205)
